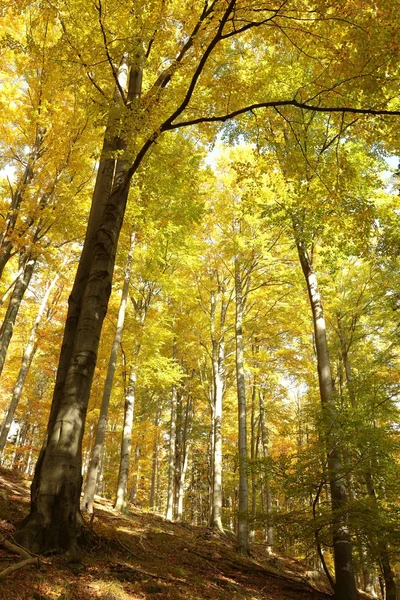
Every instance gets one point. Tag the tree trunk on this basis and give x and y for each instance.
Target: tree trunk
(55, 492)
(26, 363)
(126, 444)
(345, 587)
(93, 470)
(184, 459)
(171, 461)
(243, 525)
(268, 496)
(27, 263)
(6, 238)
(154, 462)
(253, 456)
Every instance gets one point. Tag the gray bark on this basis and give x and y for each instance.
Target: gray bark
(93, 470)
(126, 444)
(185, 446)
(6, 238)
(268, 496)
(154, 462)
(25, 366)
(27, 263)
(171, 454)
(243, 525)
(218, 367)
(345, 587)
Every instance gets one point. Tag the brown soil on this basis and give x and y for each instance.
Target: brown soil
(141, 555)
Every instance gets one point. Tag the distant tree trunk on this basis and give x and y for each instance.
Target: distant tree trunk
(133, 495)
(243, 524)
(26, 363)
(253, 456)
(126, 444)
(27, 264)
(218, 368)
(185, 445)
(268, 496)
(154, 461)
(171, 461)
(345, 587)
(93, 470)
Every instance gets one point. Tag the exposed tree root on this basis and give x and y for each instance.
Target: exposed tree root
(28, 559)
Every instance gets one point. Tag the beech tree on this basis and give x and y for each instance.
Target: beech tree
(209, 55)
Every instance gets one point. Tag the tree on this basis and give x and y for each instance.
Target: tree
(179, 92)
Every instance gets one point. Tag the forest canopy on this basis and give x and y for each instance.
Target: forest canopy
(199, 262)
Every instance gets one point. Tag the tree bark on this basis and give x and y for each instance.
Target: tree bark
(184, 459)
(345, 587)
(154, 462)
(268, 496)
(126, 444)
(93, 470)
(6, 238)
(27, 263)
(243, 524)
(171, 461)
(52, 524)
(218, 367)
(25, 366)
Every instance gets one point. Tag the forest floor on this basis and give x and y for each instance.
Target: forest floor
(140, 555)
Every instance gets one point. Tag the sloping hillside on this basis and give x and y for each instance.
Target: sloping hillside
(142, 556)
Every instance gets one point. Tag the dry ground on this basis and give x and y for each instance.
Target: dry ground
(141, 555)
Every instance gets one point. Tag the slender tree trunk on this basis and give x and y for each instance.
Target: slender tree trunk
(345, 587)
(218, 367)
(154, 462)
(171, 461)
(243, 524)
(184, 459)
(26, 363)
(27, 263)
(268, 495)
(6, 237)
(93, 470)
(126, 444)
(253, 456)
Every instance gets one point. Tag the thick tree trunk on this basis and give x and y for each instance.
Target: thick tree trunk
(93, 470)
(126, 444)
(171, 460)
(243, 524)
(27, 263)
(345, 587)
(26, 363)
(56, 487)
